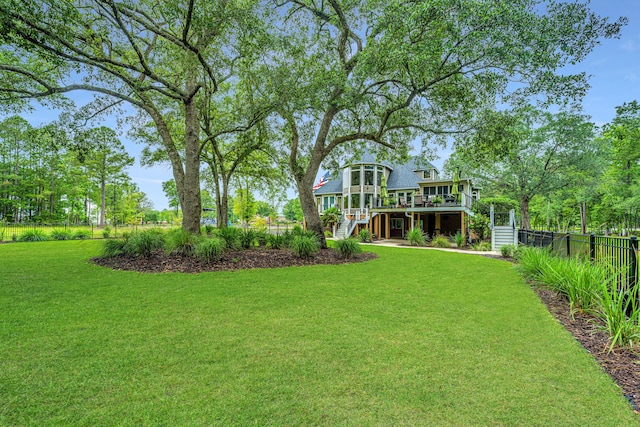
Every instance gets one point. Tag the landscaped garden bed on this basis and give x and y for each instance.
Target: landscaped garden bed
(160, 261)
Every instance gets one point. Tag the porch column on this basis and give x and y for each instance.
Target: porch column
(463, 228)
(437, 224)
(387, 232)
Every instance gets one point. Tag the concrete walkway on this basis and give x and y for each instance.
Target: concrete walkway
(403, 244)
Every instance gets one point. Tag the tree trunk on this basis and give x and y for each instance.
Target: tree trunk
(310, 210)
(524, 212)
(583, 217)
(103, 201)
(189, 188)
(223, 203)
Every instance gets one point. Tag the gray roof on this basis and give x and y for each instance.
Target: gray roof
(331, 187)
(402, 177)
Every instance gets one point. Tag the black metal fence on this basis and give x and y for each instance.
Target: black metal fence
(621, 252)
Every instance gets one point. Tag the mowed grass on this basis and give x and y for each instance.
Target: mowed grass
(415, 337)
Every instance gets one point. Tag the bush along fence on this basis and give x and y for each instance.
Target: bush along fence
(620, 252)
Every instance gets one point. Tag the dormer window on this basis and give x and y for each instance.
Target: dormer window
(426, 174)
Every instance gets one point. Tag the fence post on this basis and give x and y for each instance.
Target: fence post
(634, 262)
(568, 245)
(553, 242)
(592, 247)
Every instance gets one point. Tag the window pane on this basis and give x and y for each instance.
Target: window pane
(355, 177)
(368, 177)
(355, 201)
(368, 200)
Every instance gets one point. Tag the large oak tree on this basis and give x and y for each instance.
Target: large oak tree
(387, 73)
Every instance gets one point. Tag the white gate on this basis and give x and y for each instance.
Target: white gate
(502, 235)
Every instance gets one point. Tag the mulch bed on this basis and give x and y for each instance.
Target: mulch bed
(623, 365)
(160, 262)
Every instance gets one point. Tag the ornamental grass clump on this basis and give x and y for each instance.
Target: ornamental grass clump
(507, 251)
(181, 242)
(144, 243)
(81, 235)
(35, 235)
(440, 242)
(276, 241)
(113, 248)
(459, 238)
(210, 249)
(348, 248)
(620, 314)
(58, 234)
(416, 237)
(305, 246)
(231, 237)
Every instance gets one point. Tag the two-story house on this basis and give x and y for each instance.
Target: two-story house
(390, 199)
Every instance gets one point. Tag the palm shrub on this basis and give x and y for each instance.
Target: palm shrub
(113, 247)
(58, 234)
(181, 242)
(261, 236)
(416, 237)
(347, 248)
(143, 243)
(81, 235)
(35, 235)
(459, 238)
(440, 242)
(276, 241)
(305, 246)
(365, 236)
(231, 237)
(248, 238)
(210, 249)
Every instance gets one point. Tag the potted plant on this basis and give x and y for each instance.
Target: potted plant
(393, 201)
(436, 200)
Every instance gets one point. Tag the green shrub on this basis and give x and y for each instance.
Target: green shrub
(440, 242)
(210, 249)
(348, 247)
(144, 243)
(81, 235)
(619, 312)
(459, 238)
(328, 233)
(261, 237)
(231, 237)
(181, 242)
(276, 241)
(507, 251)
(106, 232)
(248, 238)
(482, 246)
(58, 234)
(297, 230)
(305, 246)
(113, 247)
(416, 237)
(35, 235)
(364, 236)
(208, 229)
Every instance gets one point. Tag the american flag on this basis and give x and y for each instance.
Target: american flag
(323, 180)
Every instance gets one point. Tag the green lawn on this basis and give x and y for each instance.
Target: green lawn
(416, 337)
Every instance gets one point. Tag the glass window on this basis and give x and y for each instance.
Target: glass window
(368, 200)
(443, 189)
(355, 201)
(429, 191)
(355, 177)
(368, 175)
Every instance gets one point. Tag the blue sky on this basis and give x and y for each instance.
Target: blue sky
(614, 67)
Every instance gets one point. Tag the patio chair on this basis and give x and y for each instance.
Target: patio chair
(402, 202)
